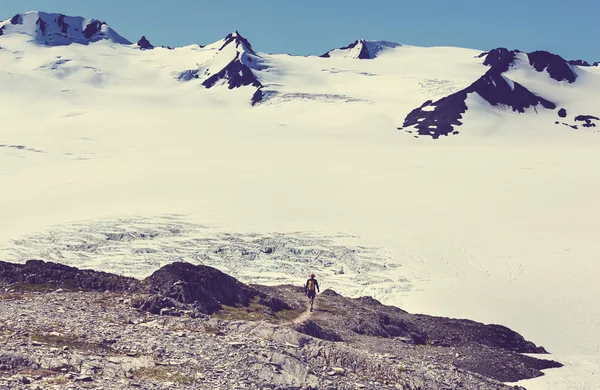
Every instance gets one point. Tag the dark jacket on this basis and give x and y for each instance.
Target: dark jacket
(316, 285)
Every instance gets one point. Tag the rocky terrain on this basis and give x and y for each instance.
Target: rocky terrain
(195, 327)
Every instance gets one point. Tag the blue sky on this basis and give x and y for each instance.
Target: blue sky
(569, 28)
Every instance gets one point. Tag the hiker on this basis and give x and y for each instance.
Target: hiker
(309, 289)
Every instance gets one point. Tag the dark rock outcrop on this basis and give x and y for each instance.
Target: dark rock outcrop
(367, 50)
(238, 40)
(41, 25)
(144, 44)
(92, 28)
(562, 113)
(555, 65)
(587, 119)
(362, 55)
(443, 116)
(257, 97)
(500, 59)
(312, 329)
(205, 286)
(490, 350)
(439, 118)
(239, 71)
(17, 19)
(579, 63)
(53, 275)
(60, 22)
(364, 323)
(236, 75)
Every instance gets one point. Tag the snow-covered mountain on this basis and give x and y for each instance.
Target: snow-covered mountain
(231, 62)
(361, 49)
(57, 29)
(496, 89)
(500, 85)
(123, 156)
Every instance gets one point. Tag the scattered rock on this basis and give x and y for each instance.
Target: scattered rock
(343, 342)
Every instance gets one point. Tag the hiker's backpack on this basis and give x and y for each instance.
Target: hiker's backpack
(311, 284)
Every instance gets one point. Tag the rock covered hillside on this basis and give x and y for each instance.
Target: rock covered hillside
(191, 326)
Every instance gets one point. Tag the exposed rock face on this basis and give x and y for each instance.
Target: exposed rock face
(92, 29)
(556, 66)
(58, 29)
(562, 113)
(312, 329)
(579, 63)
(257, 97)
(206, 286)
(442, 117)
(361, 50)
(144, 44)
(239, 41)
(17, 19)
(361, 45)
(239, 71)
(587, 119)
(500, 59)
(37, 272)
(236, 74)
(490, 350)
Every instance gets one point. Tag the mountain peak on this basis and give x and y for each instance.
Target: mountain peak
(557, 67)
(361, 49)
(144, 44)
(57, 29)
(239, 41)
(579, 63)
(233, 64)
(499, 59)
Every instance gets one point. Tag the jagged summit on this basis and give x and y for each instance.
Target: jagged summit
(56, 29)
(501, 59)
(579, 63)
(239, 41)
(361, 49)
(144, 44)
(495, 87)
(233, 64)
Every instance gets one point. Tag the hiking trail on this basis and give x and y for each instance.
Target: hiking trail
(307, 314)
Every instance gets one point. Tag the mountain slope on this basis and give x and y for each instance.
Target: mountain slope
(57, 29)
(233, 64)
(361, 49)
(496, 89)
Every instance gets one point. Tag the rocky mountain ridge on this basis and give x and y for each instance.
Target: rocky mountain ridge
(234, 63)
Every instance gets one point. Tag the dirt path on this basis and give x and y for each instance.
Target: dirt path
(307, 314)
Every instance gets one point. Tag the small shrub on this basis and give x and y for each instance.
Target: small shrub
(72, 341)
